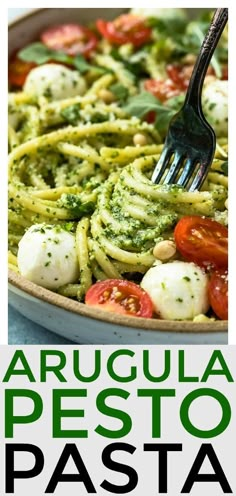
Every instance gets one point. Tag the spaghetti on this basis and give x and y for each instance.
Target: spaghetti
(73, 163)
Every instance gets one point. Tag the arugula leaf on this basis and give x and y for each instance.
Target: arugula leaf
(224, 167)
(199, 30)
(140, 105)
(133, 65)
(120, 91)
(83, 66)
(145, 102)
(168, 26)
(71, 114)
(40, 54)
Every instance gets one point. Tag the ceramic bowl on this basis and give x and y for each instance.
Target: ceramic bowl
(69, 318)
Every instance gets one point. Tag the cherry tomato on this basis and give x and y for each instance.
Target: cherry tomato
(70, 38)
(218, 293)
(203, 241)
(163, 89)
(180, 75)
(18, 70)
(225, 72)
(120, 296)
(176, 82)
(127, 28)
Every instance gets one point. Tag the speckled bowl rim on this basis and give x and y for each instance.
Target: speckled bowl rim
(69, 305)
(111, 318)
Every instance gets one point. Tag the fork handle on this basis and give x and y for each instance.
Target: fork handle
(193, 95)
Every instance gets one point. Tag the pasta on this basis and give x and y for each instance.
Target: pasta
(73, 164)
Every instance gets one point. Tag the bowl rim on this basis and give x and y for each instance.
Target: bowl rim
(40, 293)
(25, 15)
(78, 308)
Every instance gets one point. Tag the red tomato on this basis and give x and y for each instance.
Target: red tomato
(18, 70)
(203, 241)
(180, 75)
(70, 38)
(176, 83)
(163, 89)
(218, 293)
(127, 28)
(120, 296)
(225, 72)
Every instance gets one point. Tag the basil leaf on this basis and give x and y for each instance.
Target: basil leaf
(119, 91)
(71, 114)
(224, 167)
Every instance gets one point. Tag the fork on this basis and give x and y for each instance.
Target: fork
(190, 138)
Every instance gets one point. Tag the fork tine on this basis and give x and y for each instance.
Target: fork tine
(199, 177)
(187, 172)
(174, 169)
(161, 164)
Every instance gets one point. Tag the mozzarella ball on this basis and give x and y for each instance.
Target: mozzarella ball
(55, 82)
(47, 256)
(215, 106)
(177, 289)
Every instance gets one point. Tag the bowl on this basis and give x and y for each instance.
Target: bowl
(71, 319)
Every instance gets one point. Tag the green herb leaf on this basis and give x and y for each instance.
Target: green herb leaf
(198, 30)
(140, 105)
(40, 54)
(133, 66)
(71, 114)
(168, 26)
(83, 66)
(145, 102)
(120, 91)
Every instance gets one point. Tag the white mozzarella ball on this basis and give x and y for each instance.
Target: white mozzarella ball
(47, 256)
(55, 82)
(215, 106)
(177, 289)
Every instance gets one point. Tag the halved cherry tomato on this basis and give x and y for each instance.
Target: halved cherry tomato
(179, 74)
(163, 89)
(18, 70)
(218, 293)
(127, 28)
(225, 72)
(70, 38)
(203, 241)
(176, 82)
(120, 296)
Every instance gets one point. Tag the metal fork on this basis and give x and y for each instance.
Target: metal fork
(190, 138)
